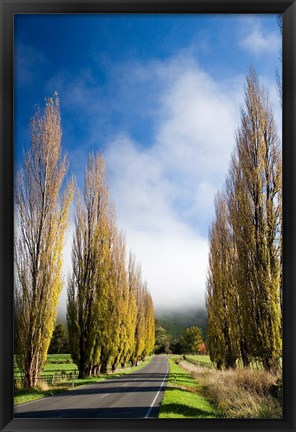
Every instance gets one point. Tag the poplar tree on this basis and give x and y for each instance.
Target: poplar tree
(222, 301)
(150, 323)
(244, 282)
(132, 316)
(91, 261)
(140, 322)
(255, 190)
(42, 218)
(112, 332)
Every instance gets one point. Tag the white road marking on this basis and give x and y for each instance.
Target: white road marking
(105, 395)
(154, 400)
(124, 385)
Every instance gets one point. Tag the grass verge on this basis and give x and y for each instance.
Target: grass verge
(242, 392)
(182, 397)
(45, 390)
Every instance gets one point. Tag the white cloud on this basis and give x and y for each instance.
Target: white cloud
(259, 42)
(164, 191)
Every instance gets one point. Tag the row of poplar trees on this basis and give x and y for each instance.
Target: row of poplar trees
(110, 311)
(244, 281)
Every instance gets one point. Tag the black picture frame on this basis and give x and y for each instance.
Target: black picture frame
(8, 8)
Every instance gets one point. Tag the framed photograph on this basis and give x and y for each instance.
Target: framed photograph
(147, 208)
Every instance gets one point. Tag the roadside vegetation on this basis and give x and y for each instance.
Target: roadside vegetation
(233, 393)
(56, 365)
(183, 397)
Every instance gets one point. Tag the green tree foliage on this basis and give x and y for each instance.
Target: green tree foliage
(176, 319)
(59, 342)
(191, 340)
(42, 218)
(245, 243)
(162, 340)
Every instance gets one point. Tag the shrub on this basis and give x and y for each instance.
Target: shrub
(42, 385)
(17, 385)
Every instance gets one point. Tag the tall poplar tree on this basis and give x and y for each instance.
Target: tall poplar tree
(222, 302)
(255, 190)
(132, 315)
(91, 262)
(42, 218)
(244, 283)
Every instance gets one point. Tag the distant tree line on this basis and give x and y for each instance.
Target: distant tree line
(110, 312)
(244, 284)
(189, 342)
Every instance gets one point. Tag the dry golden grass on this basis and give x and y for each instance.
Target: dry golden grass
(18, 386)
(240, 393)
(42, 385)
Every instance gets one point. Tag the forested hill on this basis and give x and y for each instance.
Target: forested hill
(175, 321)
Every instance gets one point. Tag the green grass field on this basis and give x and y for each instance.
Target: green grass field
(55, 366)
(182, 398)
(203, 359)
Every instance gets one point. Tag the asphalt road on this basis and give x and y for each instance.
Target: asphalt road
(135, 395)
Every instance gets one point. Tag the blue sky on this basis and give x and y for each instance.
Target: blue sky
(160, 96)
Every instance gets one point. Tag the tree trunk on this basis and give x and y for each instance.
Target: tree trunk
(104, 367)
(219, 364)
(30, 379)
(244, 353)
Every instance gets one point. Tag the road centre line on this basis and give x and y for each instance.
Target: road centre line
(104, 395)
(154, 400)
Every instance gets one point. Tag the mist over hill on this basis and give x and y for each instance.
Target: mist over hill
(176, 320)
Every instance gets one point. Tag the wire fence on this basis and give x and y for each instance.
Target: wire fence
(51, 379)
